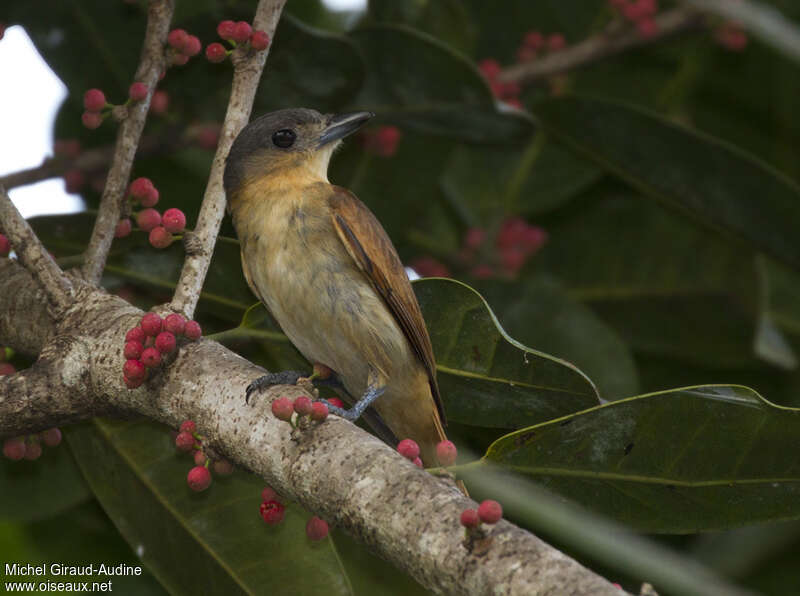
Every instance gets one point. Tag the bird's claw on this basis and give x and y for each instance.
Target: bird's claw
(286, 377)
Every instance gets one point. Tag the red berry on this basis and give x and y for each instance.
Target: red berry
(94, 100)
(51, 437)
(335, 401)
(408, 448)
(533, 40)
(302, 405)
(151, 324)
(241, 32)
(124, 227)
(135, 334)
(216, 52)
(268, 494)
(446, 453)
(173, 220)
(144, 191)
(199, 478)
(148, 219)
(525, 54)
(474, 238)
(133, 350)
(132, 383)
(200, 458)
(192, 46)
(319, 411)
(159, 237)
(647, 28)
(386, 140)
(184, 442)
(282, 408)
(259, 40)
(272, 512)
(73, 180)
(176, 38)
(5, 246)
(14, 449)
(490, 512)
(159, 102)
(137, 91)
(174, 323)
(316, 528)
(192, 330)
(33, 450)
(469, 518)
(67, 147)
(179, 59)
(556, 42)
(225, 29)
(165, 342)
(417, 462)
(513, 259)
(133, 369)
(490, 68)
(188, 426)
(6, 368)
(223, 467)
(91, 120)
(151, 357)
(207, 136)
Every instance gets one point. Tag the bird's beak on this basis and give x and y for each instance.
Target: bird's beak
(341, 125)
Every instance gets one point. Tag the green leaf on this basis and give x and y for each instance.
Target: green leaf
(687, 460)
(417, 82)
(719, 185)
(212, 542)
(487, 378)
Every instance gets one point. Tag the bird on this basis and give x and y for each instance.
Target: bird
(326, 270)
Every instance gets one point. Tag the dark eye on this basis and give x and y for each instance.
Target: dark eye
(284, 138)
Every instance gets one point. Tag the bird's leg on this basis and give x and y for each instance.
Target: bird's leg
(375, 388)
(286, 377)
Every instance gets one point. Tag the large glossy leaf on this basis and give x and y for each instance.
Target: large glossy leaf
(212, 542)
(687, 460)
(487, 378)
(717, 184)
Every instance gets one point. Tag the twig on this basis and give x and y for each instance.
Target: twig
(761, 20)
(246, 77)
(600, 46)
(32, 254)
(151, 64)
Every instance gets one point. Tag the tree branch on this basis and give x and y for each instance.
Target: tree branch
(246, 77)
(151, 64)
(600, 46)
(32, 254)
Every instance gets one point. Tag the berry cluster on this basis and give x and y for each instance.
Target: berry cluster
(640, 13)
(409, 449)
(505, 91)
(151, 340)
(272, 510)
(5, 246)
(30, 446)
(535, 44)
(284, 408)
(236, 33)
(382, 141)
(488, 512)
(160, 227)
(199, 477)
(731, 36)
(182, 46)
(97, 107)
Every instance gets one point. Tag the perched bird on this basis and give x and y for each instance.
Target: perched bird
(324, 267)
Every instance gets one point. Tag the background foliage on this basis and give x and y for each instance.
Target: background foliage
(666, 181)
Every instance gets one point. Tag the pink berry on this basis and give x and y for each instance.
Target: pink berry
(225, 29)
(207, 136)
(148, 219)
(51, 437)
(188, 426)
(386, 140)
(133, 383)
(14, 449)
(179, 59)
(241, 32)
(124, 227)
(533, 40)
(490, 512)
(192, 330)
(647, 28)
(490, 68)
(33, 450)
(5, 246)
(192, 46)
(272, 512)
(177, 38)
(135, 334)
(408, 448)
(335, 401)
(137, 91)
(199, 478)
(223, 467)
(151, 324)
(159, 102)
(302, 405)
(417, 462)
(133, 350)
(74, 180)
(259, 41)
(216, 52)
(316, 528)
(159, 237)
(94, 100)
(6, 368)
(469, 518)
(165, 342)
(173, 220)
(446, 453)
(283, 408)
(319, 411)
(269, 494)
(474, 238)
(133, 369)
(200, 458)
(174, 323)
(184, 442)
(91, 120)
(556, 42)
(143, 190)
(151, 357)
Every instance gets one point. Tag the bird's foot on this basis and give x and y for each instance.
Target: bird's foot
(286, 377)
(358, 408)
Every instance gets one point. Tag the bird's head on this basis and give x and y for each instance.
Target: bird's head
(292, 142)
